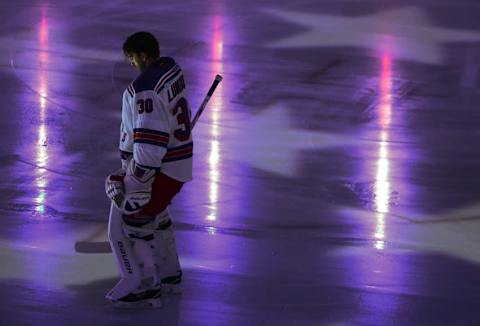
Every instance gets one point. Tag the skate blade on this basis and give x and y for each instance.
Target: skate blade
(143, 304)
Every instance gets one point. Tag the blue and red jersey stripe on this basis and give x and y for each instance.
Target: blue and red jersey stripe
(152, 137)
(178, 153)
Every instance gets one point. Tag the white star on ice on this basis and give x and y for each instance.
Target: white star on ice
(269, 142)
(454, 233)
(406, 33)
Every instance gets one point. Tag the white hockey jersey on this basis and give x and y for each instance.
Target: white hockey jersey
(156, 121)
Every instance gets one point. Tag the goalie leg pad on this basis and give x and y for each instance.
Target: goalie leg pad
(130, 272)
(143, 245)
(166, 256)
(155, 246)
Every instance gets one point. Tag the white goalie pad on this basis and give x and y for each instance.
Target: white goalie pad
(156, 249)
(130, 271)
(146, 255)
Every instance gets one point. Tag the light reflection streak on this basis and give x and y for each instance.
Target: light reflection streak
(42, 151)
(217, 104)
(382, 184)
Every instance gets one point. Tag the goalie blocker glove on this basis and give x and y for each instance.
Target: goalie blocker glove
(130, 190)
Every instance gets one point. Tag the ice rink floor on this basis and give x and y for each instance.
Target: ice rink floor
(336, 169)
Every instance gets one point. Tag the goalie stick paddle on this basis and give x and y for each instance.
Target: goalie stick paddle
(96, 247)
(87, 246)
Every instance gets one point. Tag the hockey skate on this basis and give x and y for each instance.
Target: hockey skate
(146, 299)
(142, 297)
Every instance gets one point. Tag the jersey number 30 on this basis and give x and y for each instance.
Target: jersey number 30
(145, 106)
(183, 119)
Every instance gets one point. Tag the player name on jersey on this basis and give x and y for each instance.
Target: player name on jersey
(177, 87)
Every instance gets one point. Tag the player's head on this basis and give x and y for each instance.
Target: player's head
(141, 48)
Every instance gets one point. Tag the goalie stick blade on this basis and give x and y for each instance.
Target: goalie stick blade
(93, 247)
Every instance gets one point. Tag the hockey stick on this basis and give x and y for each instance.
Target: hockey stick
(88, 246)
(215, 83)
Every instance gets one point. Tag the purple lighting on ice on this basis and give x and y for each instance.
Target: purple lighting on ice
(216, 106)
(382, 183)
(42, 152)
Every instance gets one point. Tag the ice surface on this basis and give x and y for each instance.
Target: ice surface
(335, 168)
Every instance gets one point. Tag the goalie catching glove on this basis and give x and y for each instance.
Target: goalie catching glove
(130, 189)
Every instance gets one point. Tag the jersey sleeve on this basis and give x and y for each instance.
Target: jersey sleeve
(151, 131)
(126, 127)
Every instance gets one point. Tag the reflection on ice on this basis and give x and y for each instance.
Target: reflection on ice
(42, 148)
(382, 184)
(216, 107)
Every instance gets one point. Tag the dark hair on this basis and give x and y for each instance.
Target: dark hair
(142, 42)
